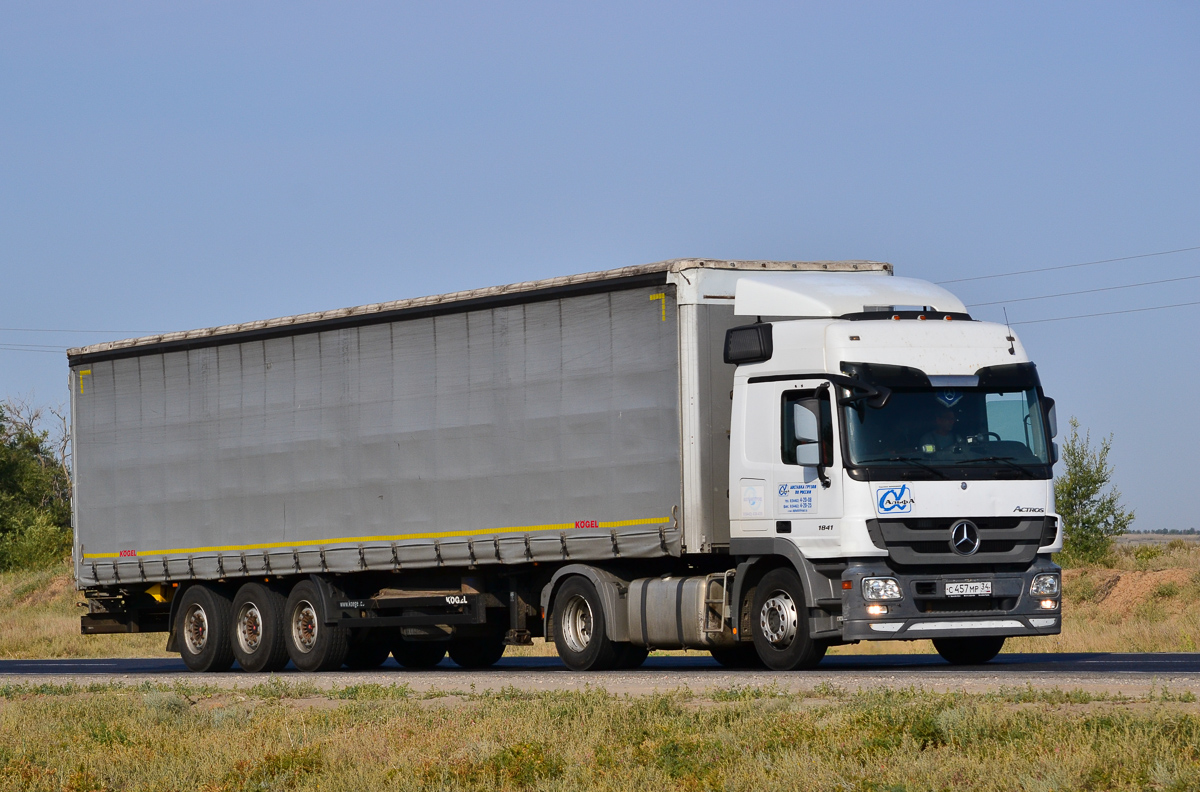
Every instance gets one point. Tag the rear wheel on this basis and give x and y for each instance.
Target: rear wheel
(780, 623)
(969, 651)
(202, 627)
(258, 641)
(418, 654)
(477, 652)
(740, 655)
(630, 656)
(312, 645)
(368, 649)
(579, 628)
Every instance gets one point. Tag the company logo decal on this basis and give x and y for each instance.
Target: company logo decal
(586, 524)
(1028, 510)
(894, 500)
(127, 554)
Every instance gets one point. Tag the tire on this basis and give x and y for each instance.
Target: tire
(202, 626)
(630, 656)
(368, 649)
(969, 651)
(579, 628)
(740, 655)
(257, 628)
(779, 622)
(477, 652)
(419, 654)
(312, 645)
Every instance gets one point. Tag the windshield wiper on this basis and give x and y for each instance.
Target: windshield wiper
(913, 460)
(1006, 460)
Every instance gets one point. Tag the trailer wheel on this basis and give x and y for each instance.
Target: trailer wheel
(579, 633)
(258, 628)
(969, 651)
(740, 655)
(312, 645)
(418, 654)
(780, 623)
(368, 649)
(477, 652)
(202, 624)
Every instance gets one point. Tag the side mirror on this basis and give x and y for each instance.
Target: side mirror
(1051, 418)
(1054, 453)
(808, 433)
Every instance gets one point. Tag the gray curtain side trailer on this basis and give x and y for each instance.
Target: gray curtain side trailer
(420, 476)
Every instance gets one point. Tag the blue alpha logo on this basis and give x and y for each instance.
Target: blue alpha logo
(894, 500)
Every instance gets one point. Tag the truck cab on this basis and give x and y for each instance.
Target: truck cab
(900, 453)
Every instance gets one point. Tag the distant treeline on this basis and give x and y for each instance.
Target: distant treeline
(1170, 532)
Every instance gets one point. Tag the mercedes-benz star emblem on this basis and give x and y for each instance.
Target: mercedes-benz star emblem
(964, 537)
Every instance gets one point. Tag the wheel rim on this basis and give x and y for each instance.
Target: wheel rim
(304, 626)
(779, 619)
(249, 628)
(577, 623)
(195, 629)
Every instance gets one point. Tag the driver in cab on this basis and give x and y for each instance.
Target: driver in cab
(943, 437)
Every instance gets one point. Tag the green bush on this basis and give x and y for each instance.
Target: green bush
(35, 490)
(1090, 506)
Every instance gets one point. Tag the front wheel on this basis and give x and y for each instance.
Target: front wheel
(579, 628)
(740, 655)
(780, 623)
(969, 651)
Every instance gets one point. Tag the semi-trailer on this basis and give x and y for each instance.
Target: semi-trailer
(761, 459)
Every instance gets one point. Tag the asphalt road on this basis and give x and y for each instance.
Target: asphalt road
(1132, 674)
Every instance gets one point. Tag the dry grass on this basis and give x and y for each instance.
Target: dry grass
(275, 737)
(38, 618)
(1145, 598)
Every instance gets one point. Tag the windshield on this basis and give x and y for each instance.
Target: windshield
(949, 428)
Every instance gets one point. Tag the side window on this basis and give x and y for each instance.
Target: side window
(807, 428)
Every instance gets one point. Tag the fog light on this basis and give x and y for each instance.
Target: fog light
(875, 609)
(1044, 586)
(1049, 604)
(880, 589)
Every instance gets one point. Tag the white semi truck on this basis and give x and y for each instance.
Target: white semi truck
(760, 459)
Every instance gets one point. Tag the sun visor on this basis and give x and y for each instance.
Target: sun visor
(833, 294)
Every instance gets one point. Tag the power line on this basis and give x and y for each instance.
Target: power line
(47, 330)
(1070, 266)
(1085, 291)
(4, 348)
(1106, 313)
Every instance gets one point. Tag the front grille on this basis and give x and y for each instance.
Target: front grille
(926, 541)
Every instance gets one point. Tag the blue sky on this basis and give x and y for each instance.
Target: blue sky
(170, 166)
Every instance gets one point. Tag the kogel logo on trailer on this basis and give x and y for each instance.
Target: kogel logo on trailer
(587, 524)
(894, 500)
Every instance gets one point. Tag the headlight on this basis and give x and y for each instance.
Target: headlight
(881, 589)
(1044, 586)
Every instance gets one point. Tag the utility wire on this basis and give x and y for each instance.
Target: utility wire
(1106, 313)
(1085, 291)
(4, 348)
(47, 330)
(1070, 266)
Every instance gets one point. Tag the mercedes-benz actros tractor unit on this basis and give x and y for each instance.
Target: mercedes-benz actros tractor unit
(760, 459)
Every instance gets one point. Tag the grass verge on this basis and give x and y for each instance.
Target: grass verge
(278, 737)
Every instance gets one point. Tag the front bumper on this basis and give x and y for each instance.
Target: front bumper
(926, 612)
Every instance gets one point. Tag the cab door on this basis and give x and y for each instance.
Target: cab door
(806, 476)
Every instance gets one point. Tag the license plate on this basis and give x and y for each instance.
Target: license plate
(976, 589)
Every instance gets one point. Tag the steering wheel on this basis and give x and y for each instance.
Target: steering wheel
(990, 435)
